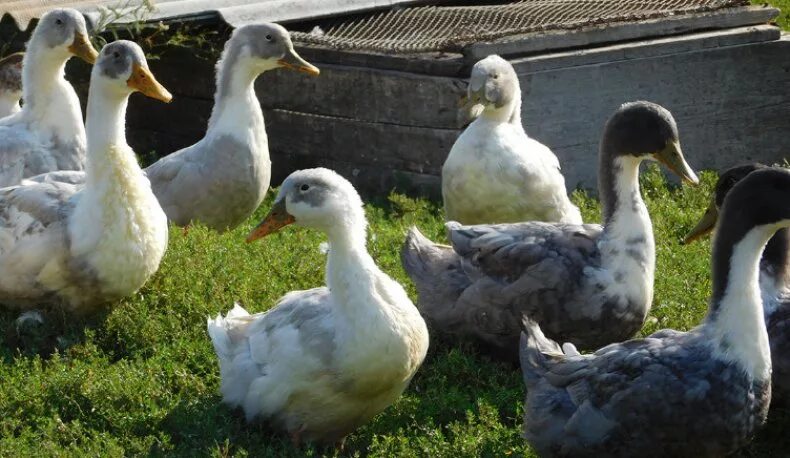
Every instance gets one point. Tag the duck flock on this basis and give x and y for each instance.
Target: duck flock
(82, 226)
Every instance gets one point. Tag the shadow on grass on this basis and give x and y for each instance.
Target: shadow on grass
(192, 427)
(44, 332)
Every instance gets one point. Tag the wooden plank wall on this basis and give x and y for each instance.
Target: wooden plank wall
(386, 129)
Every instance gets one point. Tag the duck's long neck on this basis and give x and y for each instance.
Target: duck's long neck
(510, 112)
(627, 245)
(107, 147)
(236, 108)
(349, 265)
(624, 212)
(49, 99)
(736, 312)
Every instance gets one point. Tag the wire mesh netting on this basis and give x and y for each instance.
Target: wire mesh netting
(450, 28)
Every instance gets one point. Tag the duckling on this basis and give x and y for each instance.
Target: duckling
(10, 83)
(47, 133)
(589, 285)
(81, 247)
(701, 393)
(495, 173)
(222, 179)
(324, 361)
(774, 282)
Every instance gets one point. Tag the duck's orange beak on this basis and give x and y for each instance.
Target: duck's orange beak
(277, 218)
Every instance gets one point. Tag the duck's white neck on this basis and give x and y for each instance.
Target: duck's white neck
(236, 106)
(50, 101)
(106, 127)
(736, 318)
(625, 213)
(627, 245)
(510, 112)
(349, 265)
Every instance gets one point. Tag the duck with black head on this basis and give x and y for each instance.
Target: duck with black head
(774, 281)
(701, 393)
(47, 134)
(589, 285)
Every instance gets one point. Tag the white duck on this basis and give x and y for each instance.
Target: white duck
(83, 247)
(701, 393)
(495, 173)
(10, 83)
(323, 361)
(47, 134)
(222, 179)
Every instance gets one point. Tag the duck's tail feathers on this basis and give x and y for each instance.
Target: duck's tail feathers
(221, 329)
(237, 370)
(534, 350)
(435, 270)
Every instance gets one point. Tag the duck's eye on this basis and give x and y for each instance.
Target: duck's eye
(304, 187)
(59, 21)
(116, 55)
(268, 38)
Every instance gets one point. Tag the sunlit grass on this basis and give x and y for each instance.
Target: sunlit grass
(143, 379)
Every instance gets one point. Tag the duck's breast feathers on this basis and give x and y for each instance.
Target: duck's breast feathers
(509, 250)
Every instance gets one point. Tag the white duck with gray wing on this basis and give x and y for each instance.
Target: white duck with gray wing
(495, 173)
(47, 134)
(84, 246)
(222, 179)
(324, 361)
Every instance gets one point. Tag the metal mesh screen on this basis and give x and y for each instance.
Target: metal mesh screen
(450, 28)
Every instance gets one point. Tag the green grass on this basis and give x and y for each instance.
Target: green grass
(143, 379)
(783, 20)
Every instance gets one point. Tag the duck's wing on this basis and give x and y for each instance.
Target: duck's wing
(273, 351)
(179, 181)
(70, 177)
(492, 275)
(15, 146)
(539, 250)
(601, 399)
(32, 236)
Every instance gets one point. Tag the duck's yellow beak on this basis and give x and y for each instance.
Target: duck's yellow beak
(705, 225)
(82, 48)
(277, 218)
(672, 157)
(293, 61)
(143, 80)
